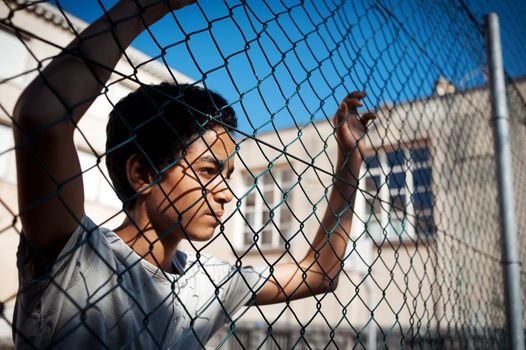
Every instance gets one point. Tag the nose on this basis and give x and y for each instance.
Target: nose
(221, 191)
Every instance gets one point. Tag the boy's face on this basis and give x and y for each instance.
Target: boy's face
(190, 200)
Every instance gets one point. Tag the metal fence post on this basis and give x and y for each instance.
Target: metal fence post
(500, 117)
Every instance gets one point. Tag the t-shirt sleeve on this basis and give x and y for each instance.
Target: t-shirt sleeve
(214, 290)
(40, 297)
(77, 249)
(242, 287)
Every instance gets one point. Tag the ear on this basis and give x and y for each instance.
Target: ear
(139, 174)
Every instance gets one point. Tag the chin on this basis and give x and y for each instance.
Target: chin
(202, 235)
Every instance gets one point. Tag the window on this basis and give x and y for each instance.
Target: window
(14, 57)
(7, 155)
(96, 187)
(268, 220)
(101, 107)
(397, 194)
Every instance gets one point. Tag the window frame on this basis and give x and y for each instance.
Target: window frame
(408, 232)
(18, 78)
(256, 178)
(95, 179)
(7, 155)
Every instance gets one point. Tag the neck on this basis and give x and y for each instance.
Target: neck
(138, 233)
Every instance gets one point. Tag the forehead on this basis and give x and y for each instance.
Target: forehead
(216, 141)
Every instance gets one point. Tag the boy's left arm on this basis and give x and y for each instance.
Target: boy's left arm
(318, 271)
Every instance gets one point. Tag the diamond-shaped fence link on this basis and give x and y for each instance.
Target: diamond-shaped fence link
(331, 233)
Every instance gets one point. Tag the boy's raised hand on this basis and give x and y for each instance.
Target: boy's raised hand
(178, 4)
(153, 10)
(350, 126)
(173, 4)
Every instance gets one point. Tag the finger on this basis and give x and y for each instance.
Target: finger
(353, 99)
(357, 94)
(341, 114)
(367, 117)
(353, 103)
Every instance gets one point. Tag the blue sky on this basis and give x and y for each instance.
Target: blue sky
(283, 63)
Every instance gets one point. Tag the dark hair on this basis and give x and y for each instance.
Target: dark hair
(157, 122)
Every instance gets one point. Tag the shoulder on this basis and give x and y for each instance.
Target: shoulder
(82, 250)
(187, 262)
(87, 243)
(219, 271)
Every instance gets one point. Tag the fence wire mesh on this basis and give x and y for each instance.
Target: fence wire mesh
(422, 266)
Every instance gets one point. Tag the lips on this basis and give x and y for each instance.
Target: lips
(216, 215)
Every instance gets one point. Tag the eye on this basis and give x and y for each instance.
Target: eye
(209, 171)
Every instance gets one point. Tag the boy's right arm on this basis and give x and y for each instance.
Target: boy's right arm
(50, 188)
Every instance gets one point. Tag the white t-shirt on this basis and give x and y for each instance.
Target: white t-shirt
(101, 294)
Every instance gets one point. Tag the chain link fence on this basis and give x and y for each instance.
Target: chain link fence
(422, 267)
(516, 98)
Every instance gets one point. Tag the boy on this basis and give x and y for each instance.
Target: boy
(169, 154)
